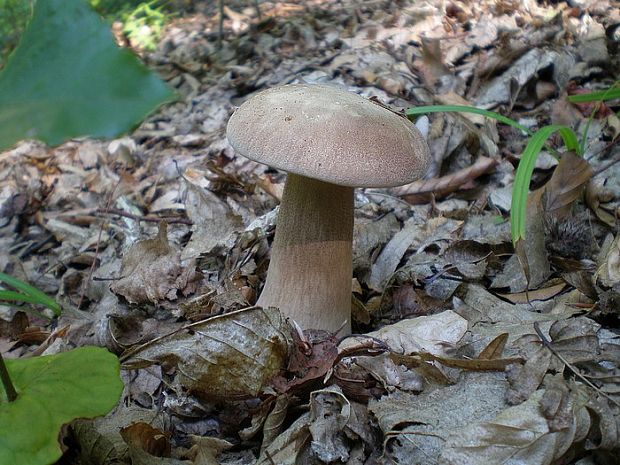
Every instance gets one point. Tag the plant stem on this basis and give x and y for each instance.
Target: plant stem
(11, 393)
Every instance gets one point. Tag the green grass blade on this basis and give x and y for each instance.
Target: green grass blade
(599, 96)
(467, 109)
(34, 295)
(14, 296)
(523, 176)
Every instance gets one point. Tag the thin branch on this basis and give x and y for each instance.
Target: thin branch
(152, 219)
(547, 344)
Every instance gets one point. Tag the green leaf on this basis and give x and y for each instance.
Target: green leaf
(524, 174)
(27, 293)
(53, 390)
(67, 78)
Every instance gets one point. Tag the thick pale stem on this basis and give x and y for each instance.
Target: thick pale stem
(310, 272)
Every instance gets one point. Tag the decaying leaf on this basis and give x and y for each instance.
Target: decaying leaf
(565, 186)
(205, 450)
(437, 334)
(329, 413)
(525, 379)
(489, 316)
(495, 347)
(248, 346)
(147, 438)
(416, 426)
(275, 420)
(413, 234)
(213, 221)
(608, 272)
(544, 293)
(519, 434)
(287, 448)
(574, 339)
(152, 271)
(529, 267)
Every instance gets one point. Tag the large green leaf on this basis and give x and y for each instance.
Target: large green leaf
(67, 78)
(52, 391)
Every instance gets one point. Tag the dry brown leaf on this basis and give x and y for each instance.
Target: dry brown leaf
(607, 424)
(495, 348)
(565, 186)
(473, 364)
(530, 266)
(431, 67)
(575, 339)
(274, 422)
(329, 413)
(227, 357)
(289, 448)
(151, 440)
(594, 191)
(436, 334)
(525, 379)
(544, 293)
(608, 272)
(213, 221)
(549, 204)
(519, 434)
(205, 450)
(449, 183)
(152, 271)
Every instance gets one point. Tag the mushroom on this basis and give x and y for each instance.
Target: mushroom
(329, 141)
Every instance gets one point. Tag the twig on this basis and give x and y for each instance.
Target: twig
(610, 164)
(94, 264)
(152, 219)
(547, 344)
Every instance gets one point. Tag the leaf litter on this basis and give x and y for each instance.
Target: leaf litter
(457, 357)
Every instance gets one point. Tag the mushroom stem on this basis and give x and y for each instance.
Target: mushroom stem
(309, 277)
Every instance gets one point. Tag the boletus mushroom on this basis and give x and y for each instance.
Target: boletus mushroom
(329, 141)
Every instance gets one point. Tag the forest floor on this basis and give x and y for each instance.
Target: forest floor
(457, 358)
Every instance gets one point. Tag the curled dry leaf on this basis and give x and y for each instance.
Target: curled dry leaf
(595, 192)
(287, 448)
(525, 379)
(227, 357)
(329, 413)
(275, 420)
(608, 273)
(147, 438)
(205, 450)
(607, 434)
(152, 271)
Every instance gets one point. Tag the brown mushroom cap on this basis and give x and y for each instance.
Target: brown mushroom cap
(327, 133)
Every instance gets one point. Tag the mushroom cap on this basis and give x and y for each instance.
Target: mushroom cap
(327, 133)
